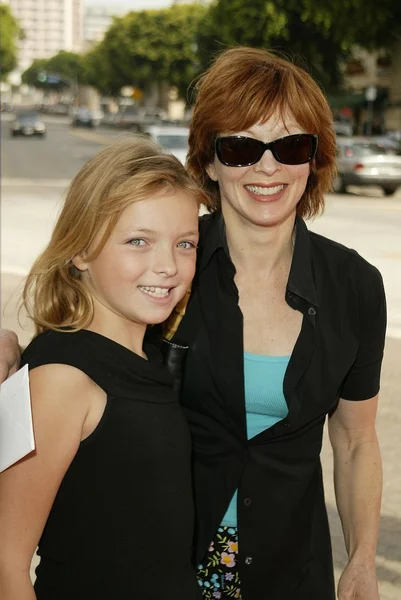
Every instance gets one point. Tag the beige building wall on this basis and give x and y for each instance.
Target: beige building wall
(393, 113)
(49, 26)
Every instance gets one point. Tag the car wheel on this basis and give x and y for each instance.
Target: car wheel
(388, 191)
(14, 133)
(338, 184)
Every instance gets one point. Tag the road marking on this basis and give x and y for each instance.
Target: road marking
(92, 137)
(27, 182)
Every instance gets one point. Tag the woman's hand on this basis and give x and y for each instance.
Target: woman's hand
(358, 582)
(10, 354)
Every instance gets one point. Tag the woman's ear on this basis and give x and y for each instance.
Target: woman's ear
(211, 171)
(79, 262)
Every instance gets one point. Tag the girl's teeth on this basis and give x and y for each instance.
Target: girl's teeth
(155, 291)
(264, 191)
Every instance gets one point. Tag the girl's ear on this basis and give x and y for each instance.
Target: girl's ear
(79, 262)
(211, 171)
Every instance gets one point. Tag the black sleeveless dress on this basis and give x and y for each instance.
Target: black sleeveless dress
(121, 526)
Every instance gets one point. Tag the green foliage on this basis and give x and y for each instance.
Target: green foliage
(10, 31)
(317, 34)
(69, 66)
(98, 71)
(147, 46)
(31, 75)
(357, 22)
(282, 25)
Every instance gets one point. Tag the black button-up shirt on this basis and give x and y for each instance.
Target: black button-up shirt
(284, 541)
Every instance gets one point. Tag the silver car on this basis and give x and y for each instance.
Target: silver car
(362, 161)
(29, 124)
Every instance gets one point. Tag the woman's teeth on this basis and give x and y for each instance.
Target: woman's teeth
(265, 191)
(156, 292)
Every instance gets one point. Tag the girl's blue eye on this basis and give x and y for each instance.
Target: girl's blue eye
(186, 245)
(137, 242)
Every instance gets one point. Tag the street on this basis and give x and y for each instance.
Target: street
(35, 174)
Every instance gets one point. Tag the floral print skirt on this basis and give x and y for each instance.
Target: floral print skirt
(218, 574)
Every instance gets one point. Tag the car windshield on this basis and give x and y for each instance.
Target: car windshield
(175, 142)
(28, 115)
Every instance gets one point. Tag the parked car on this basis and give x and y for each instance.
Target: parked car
(362, 161)
(174, 139)
(29, 124)
(138, 119)
(59, 108)
(87, 118)
(342, 128)
(6, 106)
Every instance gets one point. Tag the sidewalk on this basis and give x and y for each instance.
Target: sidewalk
(388, 426)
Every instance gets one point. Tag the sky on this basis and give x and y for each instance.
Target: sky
(129, 4)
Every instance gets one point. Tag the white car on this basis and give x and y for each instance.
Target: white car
(174, 139)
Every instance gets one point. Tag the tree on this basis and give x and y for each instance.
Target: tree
(98, 71)
(148, 46)
(318, 34)
(62, 69)
(282, 25)
(31, 76)
(358, 22)
(10, 31)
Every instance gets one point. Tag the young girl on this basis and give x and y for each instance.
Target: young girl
(107, 492)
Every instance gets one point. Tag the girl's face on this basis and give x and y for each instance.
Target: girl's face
(266, 193)
(148, 262)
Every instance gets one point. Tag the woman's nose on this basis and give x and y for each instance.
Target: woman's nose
(268, 163)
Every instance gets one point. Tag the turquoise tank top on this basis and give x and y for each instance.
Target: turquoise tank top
(264, 402)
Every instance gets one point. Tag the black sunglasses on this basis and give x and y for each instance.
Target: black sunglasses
(241, 151)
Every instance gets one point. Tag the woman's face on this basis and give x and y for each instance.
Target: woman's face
(266, 193)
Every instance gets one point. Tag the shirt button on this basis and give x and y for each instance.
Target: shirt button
(248, 560)
(247, 501)
(311, 311)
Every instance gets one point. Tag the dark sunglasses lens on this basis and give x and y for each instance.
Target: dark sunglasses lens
(295, 149)
(239, 151)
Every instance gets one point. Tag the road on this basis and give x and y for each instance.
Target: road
(35, 174)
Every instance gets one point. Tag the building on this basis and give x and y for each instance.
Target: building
(96, 21)
(393, 113)
(368, 77)
(49, 26)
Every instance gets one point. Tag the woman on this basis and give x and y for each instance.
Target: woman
(284, 327)
(109, 482)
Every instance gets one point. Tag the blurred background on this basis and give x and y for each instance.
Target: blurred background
(76, 74)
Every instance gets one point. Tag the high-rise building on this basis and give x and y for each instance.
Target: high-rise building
(48, 27)
(97, 21)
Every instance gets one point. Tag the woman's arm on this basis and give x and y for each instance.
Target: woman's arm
(28, 488)
(358, 486)
(10, 354)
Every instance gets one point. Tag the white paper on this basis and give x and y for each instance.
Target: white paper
(16, 428)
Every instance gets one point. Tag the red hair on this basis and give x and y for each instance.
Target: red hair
(246, 86)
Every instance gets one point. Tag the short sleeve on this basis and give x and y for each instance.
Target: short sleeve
(363, 379)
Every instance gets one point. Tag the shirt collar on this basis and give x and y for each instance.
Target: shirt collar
(300, 281)
(212, 237)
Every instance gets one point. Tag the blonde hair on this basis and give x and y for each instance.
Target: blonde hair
(245, 86)
(125, 172)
